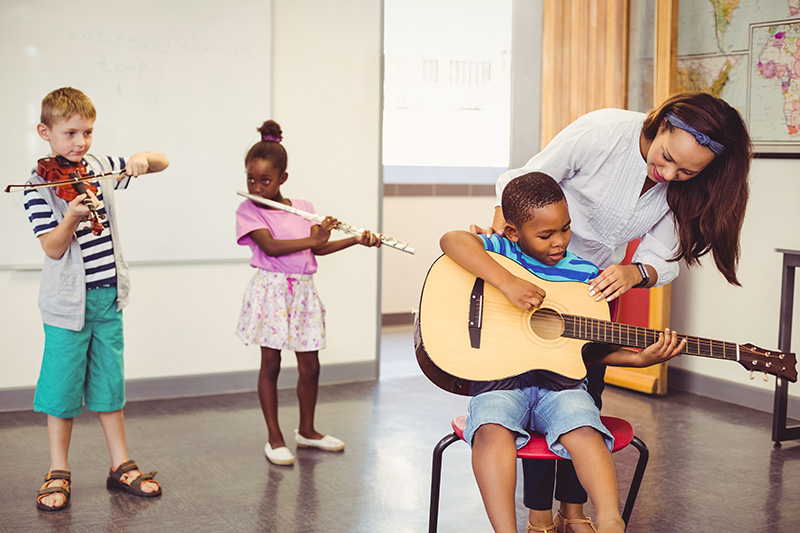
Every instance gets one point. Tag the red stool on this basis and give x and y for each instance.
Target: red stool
(537, 449)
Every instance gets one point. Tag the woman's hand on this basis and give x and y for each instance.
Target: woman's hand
(488, 231)
(498, 221)
(614, 281)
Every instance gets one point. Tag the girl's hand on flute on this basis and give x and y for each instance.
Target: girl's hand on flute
(369, 239)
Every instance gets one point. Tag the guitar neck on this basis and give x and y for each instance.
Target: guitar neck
(594, 330)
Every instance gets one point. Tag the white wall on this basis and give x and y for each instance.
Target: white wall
(327, 69)
(420, 221)
(704, 304)
(181, 320)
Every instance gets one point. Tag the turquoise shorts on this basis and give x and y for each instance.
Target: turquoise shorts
(84, 366)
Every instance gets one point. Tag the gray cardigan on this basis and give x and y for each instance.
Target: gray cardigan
(62, 292)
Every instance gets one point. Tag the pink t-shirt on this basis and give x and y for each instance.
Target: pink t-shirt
(282, 226)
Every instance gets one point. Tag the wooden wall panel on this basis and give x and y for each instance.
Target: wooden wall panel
(585, 60)
(585, 67)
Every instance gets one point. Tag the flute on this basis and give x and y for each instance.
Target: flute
(313, 217)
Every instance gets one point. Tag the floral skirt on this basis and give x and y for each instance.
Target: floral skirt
(282, 311)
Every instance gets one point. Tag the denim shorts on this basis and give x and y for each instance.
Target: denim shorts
(84, 365)
(551, 413)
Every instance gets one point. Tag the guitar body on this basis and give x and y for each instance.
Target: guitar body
(510, 340)
(469, 338)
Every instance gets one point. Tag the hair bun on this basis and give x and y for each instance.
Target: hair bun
(271, 131)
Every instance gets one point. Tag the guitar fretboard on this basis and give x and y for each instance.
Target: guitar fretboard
(595, 330)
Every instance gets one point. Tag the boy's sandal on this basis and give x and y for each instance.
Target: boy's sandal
(562, 523)
(536, 529)
(47, 490)
(133, 486)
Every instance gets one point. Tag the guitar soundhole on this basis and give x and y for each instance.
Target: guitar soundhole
(547, 324)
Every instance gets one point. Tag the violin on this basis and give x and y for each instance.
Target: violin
(71, 180)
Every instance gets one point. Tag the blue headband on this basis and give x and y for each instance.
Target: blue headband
(702, 138)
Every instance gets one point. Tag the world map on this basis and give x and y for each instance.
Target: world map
(748, 53)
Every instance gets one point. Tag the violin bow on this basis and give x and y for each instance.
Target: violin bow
(313, 217)
(27, 186)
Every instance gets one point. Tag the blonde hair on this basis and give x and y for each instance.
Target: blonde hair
(64, 103)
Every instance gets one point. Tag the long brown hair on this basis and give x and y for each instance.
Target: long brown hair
(709, 208)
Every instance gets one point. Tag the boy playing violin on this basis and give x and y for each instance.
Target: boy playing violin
(84, 287)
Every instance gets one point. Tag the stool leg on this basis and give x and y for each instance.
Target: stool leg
(436, 479)
(644, 455)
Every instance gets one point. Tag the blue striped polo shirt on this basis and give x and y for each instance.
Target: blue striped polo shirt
(571, 268)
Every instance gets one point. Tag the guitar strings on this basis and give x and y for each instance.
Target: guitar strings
(599, 330)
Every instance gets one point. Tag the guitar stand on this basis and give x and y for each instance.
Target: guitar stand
(791, 261)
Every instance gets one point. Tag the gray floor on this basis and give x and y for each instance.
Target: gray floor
(712, 466)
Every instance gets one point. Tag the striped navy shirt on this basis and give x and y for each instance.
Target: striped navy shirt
(571, 268)
(97, 250)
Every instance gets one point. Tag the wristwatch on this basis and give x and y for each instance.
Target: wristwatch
(645, 276)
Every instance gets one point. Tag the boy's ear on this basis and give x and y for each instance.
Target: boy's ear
(510, 232)
(284, 177)
(43, 131)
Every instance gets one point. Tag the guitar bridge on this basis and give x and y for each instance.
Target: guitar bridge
(476, 313)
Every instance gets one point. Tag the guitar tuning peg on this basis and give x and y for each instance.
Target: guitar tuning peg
(752, 375)
(765, 377)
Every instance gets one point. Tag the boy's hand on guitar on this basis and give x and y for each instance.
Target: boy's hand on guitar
(665, 348)
(523, 294)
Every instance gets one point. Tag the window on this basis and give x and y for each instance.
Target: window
(446, 117)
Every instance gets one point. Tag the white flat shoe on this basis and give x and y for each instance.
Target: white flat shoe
(279, 456)
(327, 443)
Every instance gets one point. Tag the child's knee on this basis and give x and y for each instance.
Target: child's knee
(582, 436)
(491, 434)
(309, 370)
(270, 365)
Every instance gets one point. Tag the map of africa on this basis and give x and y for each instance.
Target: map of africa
(748, 53)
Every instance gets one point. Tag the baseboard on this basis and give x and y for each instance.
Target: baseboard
(21, 399)
(727, 391)
(397, 319)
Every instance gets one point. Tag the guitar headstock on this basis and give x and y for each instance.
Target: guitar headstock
(779, 364)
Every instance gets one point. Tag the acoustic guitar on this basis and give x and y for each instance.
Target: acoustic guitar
(468, 337)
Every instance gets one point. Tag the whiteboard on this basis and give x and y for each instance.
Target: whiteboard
(189, 79)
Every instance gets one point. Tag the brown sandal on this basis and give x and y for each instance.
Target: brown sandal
(536, 529)
(134, 486)
(562, 523)
(47, 490)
